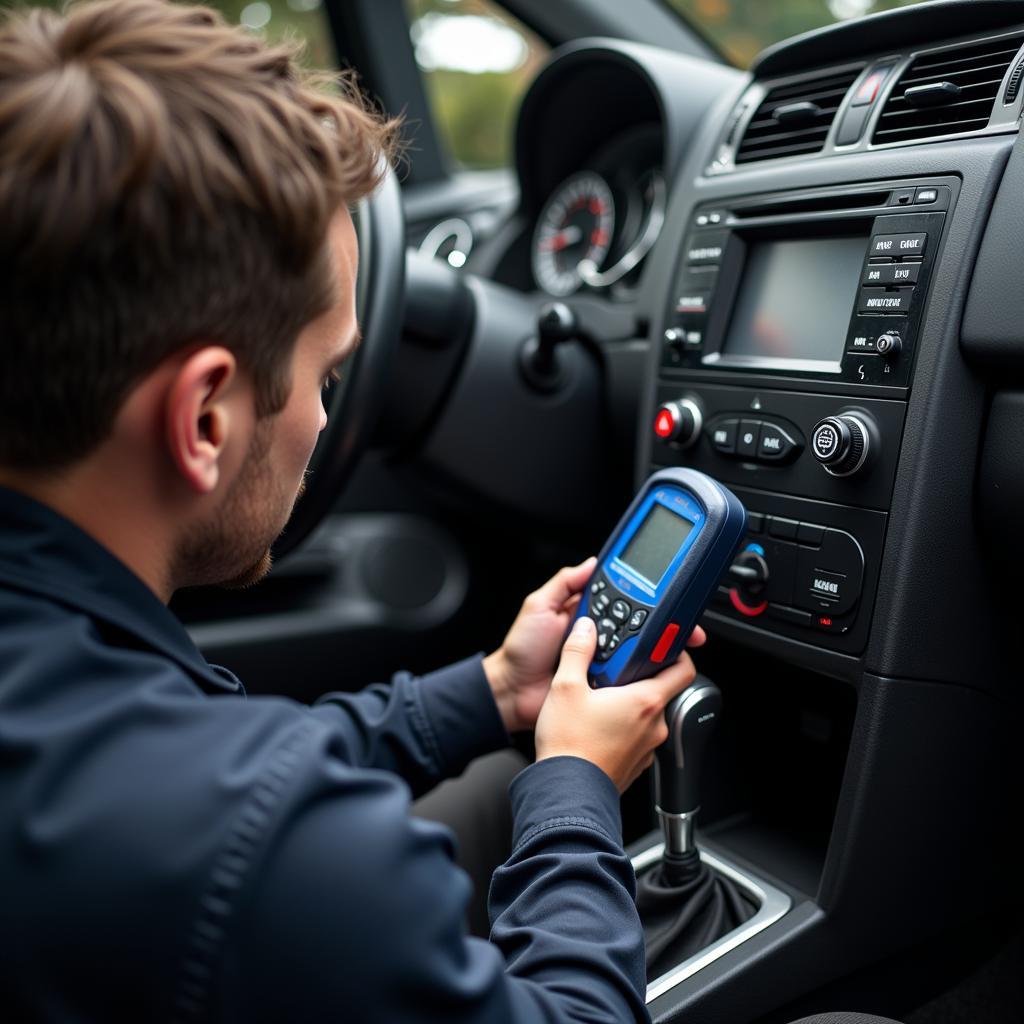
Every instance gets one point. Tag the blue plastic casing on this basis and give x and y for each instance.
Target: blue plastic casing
(719, 524)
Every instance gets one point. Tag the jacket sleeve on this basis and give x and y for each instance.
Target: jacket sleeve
(357, 914)
(423, 728)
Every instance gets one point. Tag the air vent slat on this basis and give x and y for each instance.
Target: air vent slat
(777, 151)
(766, 138)
(780, 138)
(931, 131)
(803, 89)
(957, 76)
(969, 55)
(977, 69)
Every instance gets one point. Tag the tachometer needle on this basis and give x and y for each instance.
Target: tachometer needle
(567, 236)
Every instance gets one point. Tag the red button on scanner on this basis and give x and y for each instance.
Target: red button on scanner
(662, 646)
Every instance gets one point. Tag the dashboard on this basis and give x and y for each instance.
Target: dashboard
(801, 281)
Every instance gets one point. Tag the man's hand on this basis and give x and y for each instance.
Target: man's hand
(616, 728)
(520, 671)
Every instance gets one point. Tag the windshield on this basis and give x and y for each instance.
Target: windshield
(741, 29)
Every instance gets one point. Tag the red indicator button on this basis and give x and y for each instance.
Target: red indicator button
(661, 648)
(663, 424)
(869, 88)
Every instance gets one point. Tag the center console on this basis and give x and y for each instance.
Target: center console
(787, 353)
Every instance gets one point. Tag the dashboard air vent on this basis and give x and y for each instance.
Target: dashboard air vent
(795, 118)
(947, 92)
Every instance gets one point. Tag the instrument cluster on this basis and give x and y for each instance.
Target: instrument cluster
(596, 227)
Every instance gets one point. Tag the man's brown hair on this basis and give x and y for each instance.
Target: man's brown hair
(165, 179)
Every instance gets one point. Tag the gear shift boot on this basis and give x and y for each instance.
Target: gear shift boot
(685, 907)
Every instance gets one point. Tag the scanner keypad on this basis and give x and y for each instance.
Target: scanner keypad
(614, 616)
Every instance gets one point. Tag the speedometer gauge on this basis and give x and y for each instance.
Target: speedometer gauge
(576, 224)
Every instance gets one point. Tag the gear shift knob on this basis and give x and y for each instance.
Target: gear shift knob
(691, 717)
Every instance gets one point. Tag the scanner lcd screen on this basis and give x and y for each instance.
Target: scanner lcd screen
(656, 542)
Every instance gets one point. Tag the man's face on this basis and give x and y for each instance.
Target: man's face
(233, 547)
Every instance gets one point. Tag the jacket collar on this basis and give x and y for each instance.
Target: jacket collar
(43, 553)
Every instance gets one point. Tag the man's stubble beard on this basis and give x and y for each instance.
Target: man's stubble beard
(233, 549)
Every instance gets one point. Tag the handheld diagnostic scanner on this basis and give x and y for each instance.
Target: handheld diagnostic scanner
(657, 571)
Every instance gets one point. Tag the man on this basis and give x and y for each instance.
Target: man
(177, 270)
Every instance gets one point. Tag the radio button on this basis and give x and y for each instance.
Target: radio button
(705, 249)
(878, 300)
(746, 439)
(899, 245)
(862, 343)
(693, 302)
(774, 444)
(783, 528)
(811, 533)
(829, 578)
(891, 273)
(621, 611)
(827, 587)
(723, 436)
(905, 273)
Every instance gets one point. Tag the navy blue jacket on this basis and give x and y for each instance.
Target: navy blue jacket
(172, 851)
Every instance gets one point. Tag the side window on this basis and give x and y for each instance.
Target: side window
(276, 20)
(477, 61)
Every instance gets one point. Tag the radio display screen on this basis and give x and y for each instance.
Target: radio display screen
(794, 301)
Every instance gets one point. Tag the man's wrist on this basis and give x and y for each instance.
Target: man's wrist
(496, 671)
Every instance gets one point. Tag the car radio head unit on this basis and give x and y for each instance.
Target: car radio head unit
(793, 304)
(820, 284)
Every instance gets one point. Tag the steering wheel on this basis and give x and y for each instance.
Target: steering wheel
(356, 400)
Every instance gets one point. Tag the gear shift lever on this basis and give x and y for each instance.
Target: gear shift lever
(692, 717)
(685, 905)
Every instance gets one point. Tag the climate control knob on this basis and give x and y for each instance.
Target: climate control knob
(843, 444)
(679, 422)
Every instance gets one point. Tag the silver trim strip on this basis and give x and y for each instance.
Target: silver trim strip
(773, 903)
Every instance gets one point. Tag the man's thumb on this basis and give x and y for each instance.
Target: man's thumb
(578, 649)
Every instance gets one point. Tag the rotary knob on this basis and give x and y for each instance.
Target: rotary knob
(842, 444)
(889, 344)
(679, 422)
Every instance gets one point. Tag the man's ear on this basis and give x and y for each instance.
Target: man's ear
(198, 417)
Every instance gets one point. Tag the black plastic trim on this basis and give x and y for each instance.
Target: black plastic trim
(904, 27)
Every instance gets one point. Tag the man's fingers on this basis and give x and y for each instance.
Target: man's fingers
(697, 638)
(578, 650)
(564, 584)
(672, 680)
